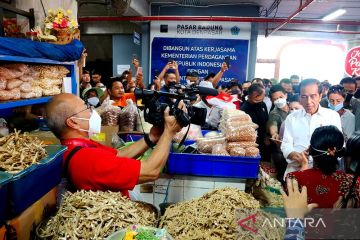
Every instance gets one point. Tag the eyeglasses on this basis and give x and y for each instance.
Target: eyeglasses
(88, 106)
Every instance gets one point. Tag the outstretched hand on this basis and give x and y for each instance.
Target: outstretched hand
(295, 202)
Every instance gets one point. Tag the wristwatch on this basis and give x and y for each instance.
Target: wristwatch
(148, 141)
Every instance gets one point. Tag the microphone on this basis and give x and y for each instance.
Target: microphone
(207, 91)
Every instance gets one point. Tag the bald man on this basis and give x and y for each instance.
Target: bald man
(93, 166)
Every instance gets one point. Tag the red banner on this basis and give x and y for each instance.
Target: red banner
(352, 62)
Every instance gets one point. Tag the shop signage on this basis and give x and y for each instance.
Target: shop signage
(201, 47)
(352, 62)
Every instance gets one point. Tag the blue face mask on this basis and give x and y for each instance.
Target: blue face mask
(337, 107)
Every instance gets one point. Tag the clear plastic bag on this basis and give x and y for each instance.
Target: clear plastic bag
(9, 73)
(242, 133)
(109, 114)
(54, 90)
(205, 145)
(229, 113)
(231, 145)
(13, 83)
(18, 67)
(237, 151)
(15, 94)
(219, 149)
(116, 141)
(27, 95)
(37, 91)
(128, 117)
(140, 123)
(25, 87)
(252, 152)
(193, 134)
(3, 83)
(26, 78)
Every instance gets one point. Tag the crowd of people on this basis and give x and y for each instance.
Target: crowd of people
(306, 130)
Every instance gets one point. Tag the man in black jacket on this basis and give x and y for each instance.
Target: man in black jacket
(256, 108)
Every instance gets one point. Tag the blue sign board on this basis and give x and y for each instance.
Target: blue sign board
(204, 56)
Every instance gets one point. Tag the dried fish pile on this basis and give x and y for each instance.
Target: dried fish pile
(210, 217)
(267, 225)
(94, 215)
(19, 151)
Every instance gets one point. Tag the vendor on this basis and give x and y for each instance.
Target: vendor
(92, 166)
(116, 91)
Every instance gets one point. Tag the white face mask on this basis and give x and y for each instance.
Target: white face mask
(280, 103)
(94, 123)
(94, 101)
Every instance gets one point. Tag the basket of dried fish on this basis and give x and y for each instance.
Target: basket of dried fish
(35, 169)
(94, 215)
(211, 216)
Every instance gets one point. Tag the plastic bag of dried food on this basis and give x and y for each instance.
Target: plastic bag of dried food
(62, 71)
(219, 149)
(54, 90)
(9, 74)
(3, 83)
(242, 133)
(26, 78)
(5, 95)
(13, 83)
(205, 145)
(25, 87)
(109, 114)
(240, 144)
(18, 67)
(237, 151)
(34, 72)
(48, 83)
(193, 134)
(37, 91)
(252, 152)
(128, 117)
(228, 113)
(27, 95)
(15, 94)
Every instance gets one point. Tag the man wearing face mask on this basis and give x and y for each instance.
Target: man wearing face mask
(277, 116)
(295, 80)
(92, 166)
(92, 96)
(245, 88)
(336, 96)
(170, 82)
(256, 108)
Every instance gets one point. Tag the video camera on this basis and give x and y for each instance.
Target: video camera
(156, 102)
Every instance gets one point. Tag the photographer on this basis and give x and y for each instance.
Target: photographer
(91, 166)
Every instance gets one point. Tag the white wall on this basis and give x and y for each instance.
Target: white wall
(48, 4)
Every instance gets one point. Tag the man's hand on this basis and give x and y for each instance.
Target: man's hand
(224, 67)
(295, 202)
(155, 133)
(136, 63)
(171, 125)
(299, 157)
(157, 83)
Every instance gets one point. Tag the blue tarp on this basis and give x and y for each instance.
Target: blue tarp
(32, 49)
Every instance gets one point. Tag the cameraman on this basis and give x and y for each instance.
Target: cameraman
(92, 166)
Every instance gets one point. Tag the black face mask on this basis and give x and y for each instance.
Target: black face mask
(245, 93)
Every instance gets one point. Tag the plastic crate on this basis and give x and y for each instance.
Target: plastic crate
(4, 180)
(212, 165)
(29, 185)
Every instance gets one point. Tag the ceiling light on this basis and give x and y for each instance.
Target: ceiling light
(334, 15)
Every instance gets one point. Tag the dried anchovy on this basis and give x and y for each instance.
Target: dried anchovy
(210, 217)
(265, 229)
(94, 215)
(19, 151)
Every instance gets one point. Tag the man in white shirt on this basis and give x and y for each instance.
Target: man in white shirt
(300, 125)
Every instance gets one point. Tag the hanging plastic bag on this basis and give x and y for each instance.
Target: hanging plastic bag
(128, 117)
(109, 114)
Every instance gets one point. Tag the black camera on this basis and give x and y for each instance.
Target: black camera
(155, 103)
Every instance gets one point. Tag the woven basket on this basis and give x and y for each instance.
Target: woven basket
(64, 36)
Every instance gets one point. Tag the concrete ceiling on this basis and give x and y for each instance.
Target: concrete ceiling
(316, 10)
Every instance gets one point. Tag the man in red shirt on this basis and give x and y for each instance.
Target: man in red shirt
(95, 166)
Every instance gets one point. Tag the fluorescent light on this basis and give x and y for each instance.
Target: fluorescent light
(334, 15)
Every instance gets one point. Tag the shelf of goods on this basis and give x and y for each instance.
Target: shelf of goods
(7, 60)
